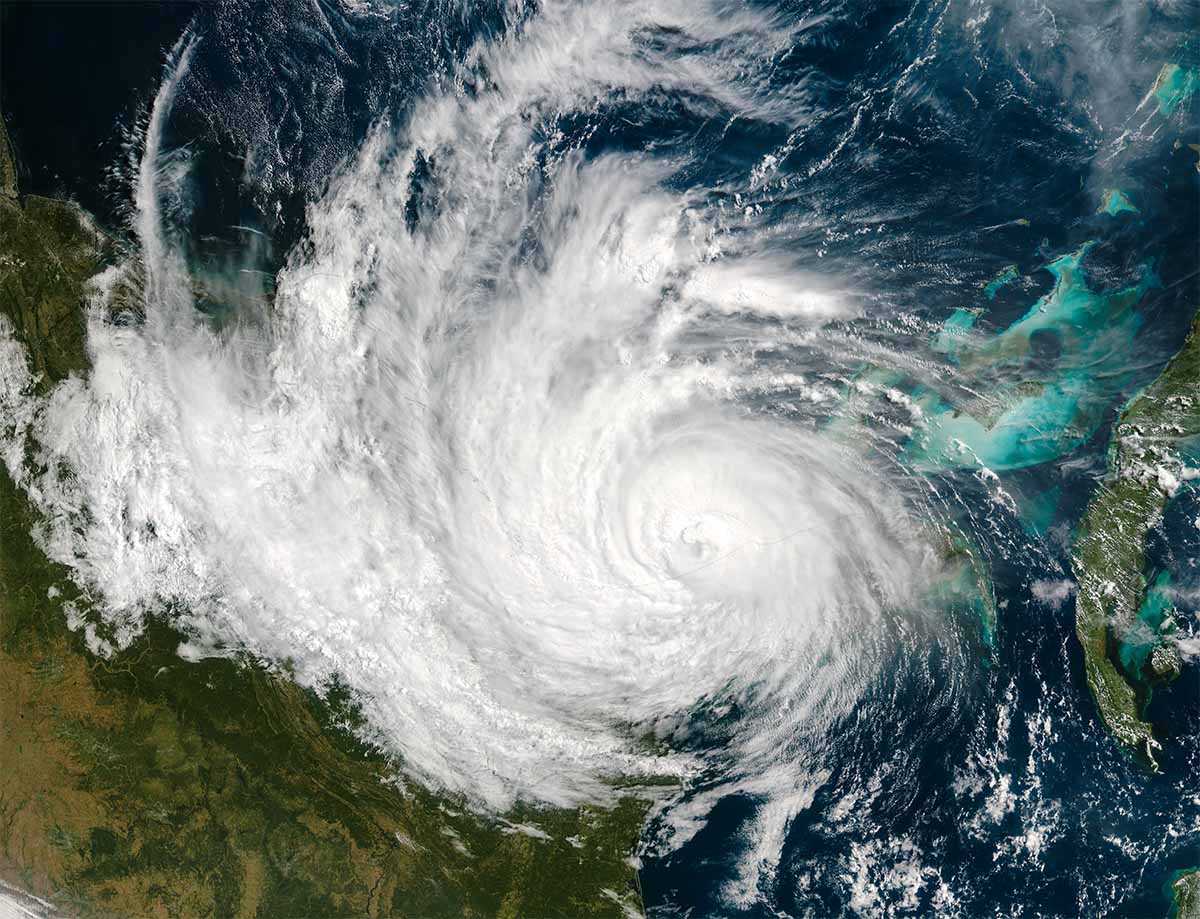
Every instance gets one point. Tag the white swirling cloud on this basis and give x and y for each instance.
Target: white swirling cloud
(499, 470)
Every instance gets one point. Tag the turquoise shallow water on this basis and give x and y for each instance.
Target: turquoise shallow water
(1036, 417)
(1010, 210)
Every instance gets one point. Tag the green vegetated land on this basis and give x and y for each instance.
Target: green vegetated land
(144, 785)
(1116, 616)
(1109, 550)
(1185, 894)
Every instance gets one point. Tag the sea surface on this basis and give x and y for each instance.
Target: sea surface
(735, 280)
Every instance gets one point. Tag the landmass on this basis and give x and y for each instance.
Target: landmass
(143, 785)
(1115, 202)
(1009, 273)
(1185, 894)
(1109, 551)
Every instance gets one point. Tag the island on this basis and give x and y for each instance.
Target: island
(1146, 467)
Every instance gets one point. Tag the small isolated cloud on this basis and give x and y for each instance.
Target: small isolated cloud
(1053, 593)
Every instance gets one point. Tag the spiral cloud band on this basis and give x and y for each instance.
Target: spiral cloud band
(501, 455)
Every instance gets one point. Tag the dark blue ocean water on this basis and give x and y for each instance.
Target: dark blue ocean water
(977, 147)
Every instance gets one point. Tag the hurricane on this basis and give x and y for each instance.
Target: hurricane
(585, 460)
(503, 456)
